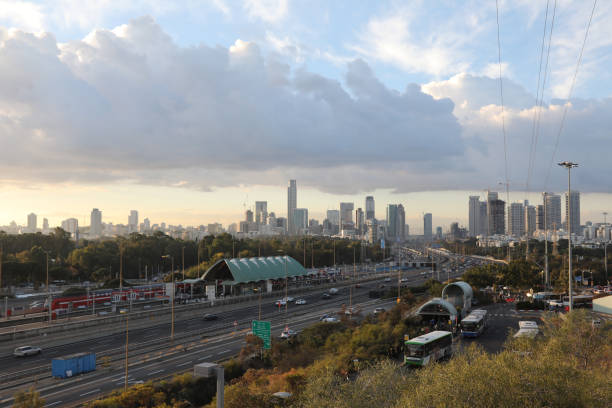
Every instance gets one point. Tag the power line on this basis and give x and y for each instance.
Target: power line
(501, 95)
(540, 92)
(562, 124)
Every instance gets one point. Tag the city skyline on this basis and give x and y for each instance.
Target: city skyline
(433, 106)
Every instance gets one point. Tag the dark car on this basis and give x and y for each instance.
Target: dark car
(210, 316)
(326, 296)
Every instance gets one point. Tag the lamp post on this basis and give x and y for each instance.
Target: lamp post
(569, 166)
(172, 297)
(48, 291)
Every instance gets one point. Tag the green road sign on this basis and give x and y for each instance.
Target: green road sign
(261, 329)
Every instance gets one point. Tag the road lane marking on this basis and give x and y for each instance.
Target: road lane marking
(184, 364)
(90, 392)
(53, 403)
(205, 357)
(156, 372)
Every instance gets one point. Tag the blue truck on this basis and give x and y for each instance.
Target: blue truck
(68, 366)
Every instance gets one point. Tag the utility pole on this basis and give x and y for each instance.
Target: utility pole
(127, 336)
(183, 253)
(172, 298)
(121, 272)
(569, 166)
(1, 254)
(48, 292)
(546, 277)
(304, 252)
(605, 214)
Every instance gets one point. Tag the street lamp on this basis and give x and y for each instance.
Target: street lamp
(569, 166)
(172, 298)
(605, 214)
(286, 287)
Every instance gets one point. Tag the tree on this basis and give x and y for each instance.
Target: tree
(28, 399)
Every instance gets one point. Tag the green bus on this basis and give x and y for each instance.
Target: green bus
(427, 348)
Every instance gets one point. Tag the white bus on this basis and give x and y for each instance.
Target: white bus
(474, 324)
(527, 328)
(427, 348)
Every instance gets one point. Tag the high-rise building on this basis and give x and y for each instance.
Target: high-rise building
(261, 212)
(427, 226)
(291, 205)
(300, 220)
(248, 216)
(147, 225)
(369, 208)
(372, 230)
(45, 226)
(360, 221)
(346, 216)
(552, 202)
(95, 223)
(333, 216)
(474, 216)
(133, 221)
(71, 225)
(483, 220)
(516, 220)
(530, 219)
(396, 221)
(496, 214)
(540, 217)
(438, 232)
(573, 204)
(32, 222)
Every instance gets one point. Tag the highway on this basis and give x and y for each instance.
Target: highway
(153, 356)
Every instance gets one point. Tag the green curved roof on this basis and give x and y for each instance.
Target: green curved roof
(244, 270)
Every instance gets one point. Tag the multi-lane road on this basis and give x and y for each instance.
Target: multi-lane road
(153, 355)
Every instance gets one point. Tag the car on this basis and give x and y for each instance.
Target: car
(330, 319)
(333, 291)
(357, 286)
(387, 279)
(25, 351)
(349, 312)
(123, 311)
(325, 316)
(404, 280)
(300, 302)
(379, 310)
(290, 299)
(423, 272)
(287, 334)
(210, 316)
(81, 307)
(280, 302)
(325, 296)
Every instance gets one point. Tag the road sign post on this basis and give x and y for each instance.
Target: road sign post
(262, 329)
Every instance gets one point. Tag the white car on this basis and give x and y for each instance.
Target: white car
(330, 320)
(25, 351)
(300, 302)
(287, 334)
(280, 302)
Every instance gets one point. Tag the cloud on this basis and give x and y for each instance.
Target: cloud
(270, 11)
(128, 104)
(23, 14)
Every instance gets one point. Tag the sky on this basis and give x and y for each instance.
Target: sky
(191, 111)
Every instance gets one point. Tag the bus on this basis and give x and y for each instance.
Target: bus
(427, 348)
(474, 324)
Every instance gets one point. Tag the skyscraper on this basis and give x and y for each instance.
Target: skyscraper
(133, 221)
(474, 216)
(573, 204)
(496, 217)
(45, 226)
(516, 220)
(291, 205)
(333, 216)
(540, 217)
(483, 221)
(300, 220)
(346, 216)
(427, 227)
(552, 202)
(32, 222)
(71, 225)
(369, 208)
(396, 221)
(248, 216)
(261, 212)
(360, 221)
(530, 220)
(95, 223)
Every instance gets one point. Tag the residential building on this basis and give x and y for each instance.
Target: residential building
(261, 212)
(360, 221)
(552, 203)
(516, 220)
(540, 226)
(133, 221)
(71, 225)
(300, 220)
(396, 222)
(496, 210)
(474, 216)
(572, 212)
(427, 226)
(530, 219)
(248, 216)
(346, 216)
(369, 208)
(95, 223)
(291, 205)
(32, 222)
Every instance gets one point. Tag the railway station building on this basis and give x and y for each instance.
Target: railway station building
(238, 276)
